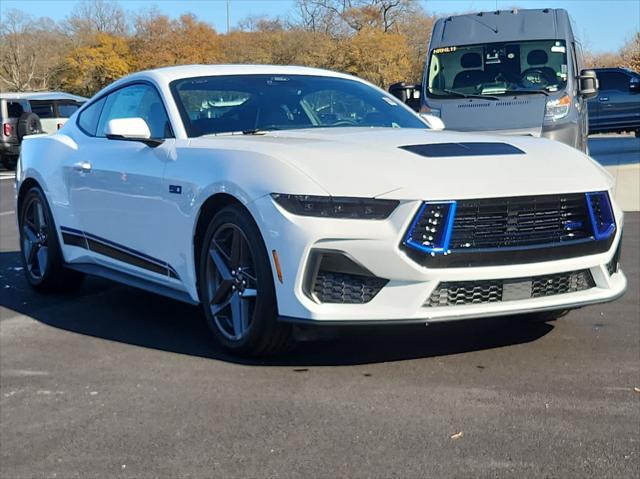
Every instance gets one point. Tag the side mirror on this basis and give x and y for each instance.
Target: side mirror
(634, 85)
(131, 129)
(435, 123)
(588, 83)
(409, 94)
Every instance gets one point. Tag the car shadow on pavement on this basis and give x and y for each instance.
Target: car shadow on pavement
(106, 310)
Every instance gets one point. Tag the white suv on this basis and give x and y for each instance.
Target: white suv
(24, 114)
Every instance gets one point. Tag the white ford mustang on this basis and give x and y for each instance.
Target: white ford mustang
(281, 195)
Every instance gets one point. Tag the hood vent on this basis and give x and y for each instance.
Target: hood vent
(437, 150)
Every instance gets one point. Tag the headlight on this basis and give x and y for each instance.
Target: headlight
(336, 206)
(558, 108)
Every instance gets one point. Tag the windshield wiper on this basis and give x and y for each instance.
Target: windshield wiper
(530, 92)
(470, 95)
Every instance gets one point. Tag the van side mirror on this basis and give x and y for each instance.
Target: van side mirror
(131, 129)
(435, 123)
(588, 83)
(408, 94)
(634, 85)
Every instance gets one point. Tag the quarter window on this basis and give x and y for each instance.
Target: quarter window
(136, 101)
(88, 118)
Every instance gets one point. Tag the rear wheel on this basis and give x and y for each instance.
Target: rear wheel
(236, 286)
(41, 255)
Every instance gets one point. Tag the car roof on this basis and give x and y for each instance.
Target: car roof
(169, 74)
(42, 95)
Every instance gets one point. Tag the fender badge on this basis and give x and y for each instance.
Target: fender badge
(176, 189)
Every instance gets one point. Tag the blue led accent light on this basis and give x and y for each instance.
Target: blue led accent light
(439, 244)
(601, 214)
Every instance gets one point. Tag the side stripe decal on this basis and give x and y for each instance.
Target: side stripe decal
(88, 241)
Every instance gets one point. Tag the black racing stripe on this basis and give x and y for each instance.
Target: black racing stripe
(473, 148)
(73, 239)
(125, 257)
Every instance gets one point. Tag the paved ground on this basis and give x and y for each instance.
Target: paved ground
(120, 383)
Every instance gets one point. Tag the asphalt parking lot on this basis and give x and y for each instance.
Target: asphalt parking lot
(115, 382)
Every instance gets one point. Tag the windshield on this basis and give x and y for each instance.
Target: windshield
(498, 68)
(234, 103)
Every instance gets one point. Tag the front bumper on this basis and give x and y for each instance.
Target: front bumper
(375, 246)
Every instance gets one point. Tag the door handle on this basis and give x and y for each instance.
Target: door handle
(82, 166)
(604, 98)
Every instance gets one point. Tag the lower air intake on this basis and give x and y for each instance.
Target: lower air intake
(335, 278)
(331, 287)
(493, 291)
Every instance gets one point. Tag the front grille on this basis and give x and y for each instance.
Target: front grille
(492, 291)
(496, 231)
(332, 287)
(520, 222)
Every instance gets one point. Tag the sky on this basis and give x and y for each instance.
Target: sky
(602, 25)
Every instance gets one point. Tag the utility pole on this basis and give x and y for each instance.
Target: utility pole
(228, 22)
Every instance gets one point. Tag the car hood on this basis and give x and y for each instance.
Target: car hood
(370, 162)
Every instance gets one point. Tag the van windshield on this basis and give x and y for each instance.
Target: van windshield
(498, 68)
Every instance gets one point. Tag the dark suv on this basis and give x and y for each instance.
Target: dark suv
(616, 108)
(24, 114)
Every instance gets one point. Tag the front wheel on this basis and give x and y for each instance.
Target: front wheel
(42, 259)
(236, 286)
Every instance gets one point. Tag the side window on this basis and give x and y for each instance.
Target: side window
(66, 109)
(14, 109)
(88, 118)
(136, 101)
(44, 109)
(613, 81)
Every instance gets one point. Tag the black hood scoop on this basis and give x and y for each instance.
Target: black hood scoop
(437, 150)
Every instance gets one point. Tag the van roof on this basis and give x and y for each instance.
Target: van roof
(502, 25)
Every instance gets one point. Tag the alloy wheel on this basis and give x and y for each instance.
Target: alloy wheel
(35, 241)
(232, 286)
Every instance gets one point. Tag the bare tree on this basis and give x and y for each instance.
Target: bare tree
(96, 16)
(26, 51)
(343, 16)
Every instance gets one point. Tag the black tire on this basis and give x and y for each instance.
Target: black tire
(545, 316)
(28, 124)
(264, 335)
(49, 274)
(9, 162)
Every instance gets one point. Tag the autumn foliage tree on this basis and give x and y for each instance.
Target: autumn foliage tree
(159, 41)
(383, 41)
(89, 68)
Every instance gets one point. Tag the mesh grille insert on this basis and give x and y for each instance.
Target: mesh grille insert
(492, 291)
(332, 287)
(520, 221)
